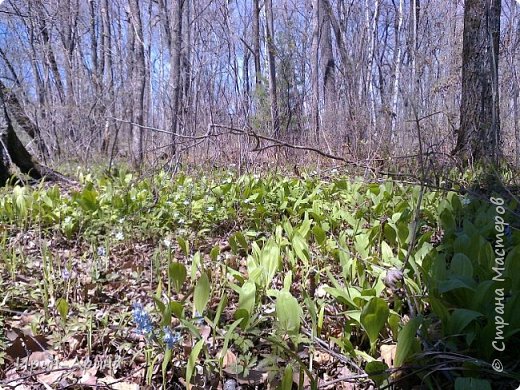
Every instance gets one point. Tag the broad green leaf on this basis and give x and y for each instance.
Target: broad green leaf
(459, 319)
(270, 261)
(201, 293)
(177, 309)
(241, 240)
(287, 281)
(461, 266)
(319, 234)
(300, 247)
(247, 295)
(243, 316)
(177, 273)
(215, 251)
(303, 230)
(407, 341)
(386, 252)
(373, 318)
(288, 312)
(184, 245)
(63, 308)
(192, 361)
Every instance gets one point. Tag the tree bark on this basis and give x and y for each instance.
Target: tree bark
(175, 68)
(256, 41)
(478, 138)
(273, 92)
(138, 72)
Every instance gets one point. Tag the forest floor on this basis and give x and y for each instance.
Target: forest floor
(254, 281)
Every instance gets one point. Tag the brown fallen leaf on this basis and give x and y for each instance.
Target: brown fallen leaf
(388, 354)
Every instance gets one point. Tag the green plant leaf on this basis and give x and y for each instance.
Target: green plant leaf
(459, 319)
(192, 360)
(247, 295)
(177, 273)
(407, 341)
(377, 371)
(201, 293)
(373, 318)
(319, 234)
(288, 312)
(287, 379)
(300, 247)
(184, 245)
(63, 308)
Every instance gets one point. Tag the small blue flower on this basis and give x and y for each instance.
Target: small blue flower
(65, 274)
(101, 251)
(170, 338)
(142, 319)
(199, 318)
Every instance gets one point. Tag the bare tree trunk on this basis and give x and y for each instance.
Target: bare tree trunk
(372, 27)
(256, 41)
(273, 92)
(108, 75)
(327, 57)
(479, 134)
(175, 69)
(138, 72)
(315, 73)
(397, 69)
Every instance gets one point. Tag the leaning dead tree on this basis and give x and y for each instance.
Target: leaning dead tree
(13, 153)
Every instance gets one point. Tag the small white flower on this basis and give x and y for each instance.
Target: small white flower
(181, 221)
(334, 171)
(246, 201)
(466, 201)
(186, 202)
(121, 220)
(120, 236)
(167, 243)
(211, 208)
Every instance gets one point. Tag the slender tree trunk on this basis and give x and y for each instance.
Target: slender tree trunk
(479, 133)
(397, 70)
(108, 75)
(372, 27)
(256, 41)
(175, 75)
(139, 78)
(315, 73)
(271, 50)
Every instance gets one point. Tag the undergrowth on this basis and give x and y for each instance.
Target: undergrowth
(265, 280)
